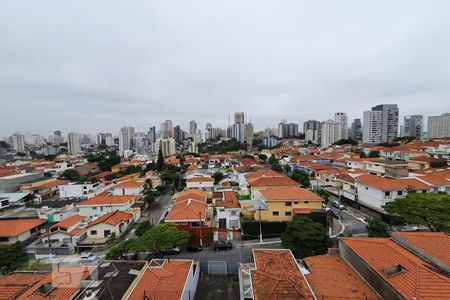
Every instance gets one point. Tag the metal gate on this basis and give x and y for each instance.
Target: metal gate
(217, 268)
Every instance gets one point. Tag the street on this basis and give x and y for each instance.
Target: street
(241, 252)
(353, 226)
(158, 208)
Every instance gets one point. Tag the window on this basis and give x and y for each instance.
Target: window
(387, 193)
(275, 213)
(397, 269)
(288, 213)
(288, 203)
(367, 188)
(295, 202)
(306, 202)
(94, 207)
(195, 224)
(233, 212)
(107, 233)
(400, 193)
(93, 232)
(424, 191)
(4, 239)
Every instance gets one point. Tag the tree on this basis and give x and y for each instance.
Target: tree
(430, 210)
(404, 139)
(218, 176)
(262, 157)
(116, 252)
(306, 238)
(70, 174)
(160, 238)
(301, 177)
(346, 142)
(276, 167)
(160, 161)
(142, 228)
(377, 228)
(374, 153)
(148, 193)
(12, 257)
(287, 169)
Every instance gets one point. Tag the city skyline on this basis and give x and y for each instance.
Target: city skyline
(294, 61)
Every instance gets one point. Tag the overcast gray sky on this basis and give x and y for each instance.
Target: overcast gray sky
(91, 66)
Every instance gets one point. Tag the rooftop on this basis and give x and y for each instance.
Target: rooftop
(290, 193)
(273, 181)
(390, 184)
(112, 218)
(12, 228)
(107, 200)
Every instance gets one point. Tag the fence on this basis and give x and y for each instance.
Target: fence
(219, 268)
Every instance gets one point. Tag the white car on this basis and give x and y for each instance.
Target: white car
(88, 258)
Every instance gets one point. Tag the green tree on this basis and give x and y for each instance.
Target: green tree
(218, 176)
(148, 193)
(287, 169)
(346, 142)
(306, 238)
(143, 227)
(430, 210)
(377, 228)
(70, 174)
(262, 157)
(115, 253)
(301, 177)
(160, 238)
(12, 257)
(160, 161)
(276, 167)
(374, 153)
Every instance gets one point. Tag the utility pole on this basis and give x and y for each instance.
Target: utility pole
(260, 226)
(200, 222)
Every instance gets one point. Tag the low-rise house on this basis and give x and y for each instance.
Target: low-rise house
(425, 162)
(228, 211)
(45, 188)
(274, 275)
(67, 231)
(388, 167)
(78, 190)
(167, 279)
(283, 204)
(189, 213)
(268, 182)
(19, 230)
(108, 225)
(374, 191)
(128, 188)
(14, 199)
(102, 204)
(438, 184)
(201, 183)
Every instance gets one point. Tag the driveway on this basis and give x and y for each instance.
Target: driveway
(217, 287)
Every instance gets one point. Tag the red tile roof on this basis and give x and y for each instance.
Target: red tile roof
(230, 200)
(263, 173)
(163, 280)
(103, 199)
(68, 222)
(200, 179)
(290, 193)
(129, 184)
(277, 276)
(11, 286)
(190, 205)
(435, 244)
(273, 181)
(12, 228)
(331, 277)
(390, 184)
(112, 218)
(418, 280)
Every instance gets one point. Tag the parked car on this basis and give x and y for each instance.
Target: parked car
(194, 248)
(333, 214)
(87, 258)
(223, 245)
(337, 204)
(173, 250)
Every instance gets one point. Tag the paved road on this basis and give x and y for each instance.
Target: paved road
(159, 207)
(239, 253)
(352, 225)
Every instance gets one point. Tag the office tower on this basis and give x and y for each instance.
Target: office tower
(152, 134)
(270, 141)
(340, 118)
(389, 121)
(249, 133)
(372, 126)
(126, 136)
(356, 130)
(192, 127)
(166, 129)
(439, 126)
(73, 143)
(178, 134)
(57, 133)
(18, 142)
(167, 146)
(329, 132)
(291, 130)
(109, 140)
(311, 124)
(413, 126)
(239, 117)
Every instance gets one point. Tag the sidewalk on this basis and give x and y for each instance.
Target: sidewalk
(356, 214)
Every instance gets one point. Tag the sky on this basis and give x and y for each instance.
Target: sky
(96, 66)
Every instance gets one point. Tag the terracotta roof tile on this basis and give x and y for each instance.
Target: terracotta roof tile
(390, 184)
(11, 286)
(129, 184)
(68, 222)
(112, 218)
(200, 179)
(190, 205)
(290, 193)
(103, 199)
(331, 277)
(11, 228)
(273, 181)
(230, 200)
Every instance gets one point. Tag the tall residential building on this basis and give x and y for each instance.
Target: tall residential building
(57, 133)
(166, 129)
(73, 143)
(439, 126)
(192, 127)
(356, 130)
(126, 136)
(109, 140)
(413, 126)
(178, 134)
(389, 121)
(152, 134)
(282, 129)
(341, 119)
(239, 117)
(167, 146)
(18, 142)
(249, 133)
(311, 129)
(372, 126)
(330, 131)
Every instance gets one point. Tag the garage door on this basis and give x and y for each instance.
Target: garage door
(217, 268)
